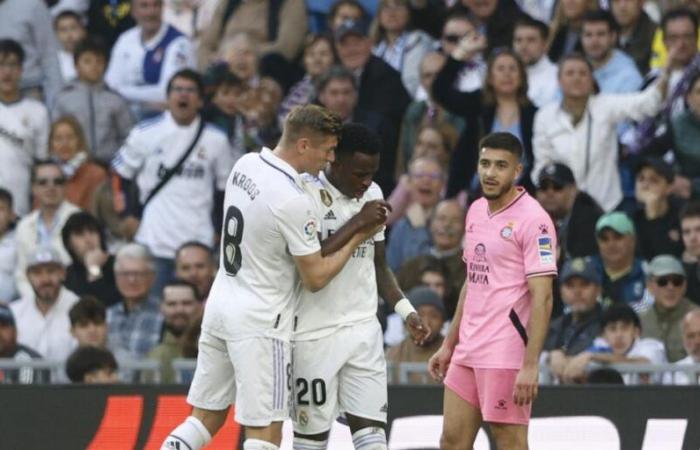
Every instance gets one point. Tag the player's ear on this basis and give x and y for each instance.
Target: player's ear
(303, 145)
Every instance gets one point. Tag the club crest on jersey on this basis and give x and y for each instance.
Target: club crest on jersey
(326, 197)
(545, 249)
(507, 231)
(310, 228)
(303, 418)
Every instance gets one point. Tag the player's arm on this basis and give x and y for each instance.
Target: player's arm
(526, 383)
(437, 366)
(317, 271)
(372, 213)
(389, 290)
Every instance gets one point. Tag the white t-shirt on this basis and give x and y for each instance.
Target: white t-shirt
(140, 71)
(268, 217)
(351, 296)
(66, 61)
(47, 334)
(649, 348)
(153, 147)
(680, 378)
(24, 135)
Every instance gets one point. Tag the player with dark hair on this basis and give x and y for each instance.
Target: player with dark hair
(339, 363)
(489, 360)
(92, 365)
(269, 241)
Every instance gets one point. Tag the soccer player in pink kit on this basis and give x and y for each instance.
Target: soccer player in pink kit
(489, 360)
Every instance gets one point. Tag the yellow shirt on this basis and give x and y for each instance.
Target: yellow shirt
(658, 50)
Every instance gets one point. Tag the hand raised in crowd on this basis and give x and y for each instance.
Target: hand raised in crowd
(94, 260)
(418, 330)
(469, 46)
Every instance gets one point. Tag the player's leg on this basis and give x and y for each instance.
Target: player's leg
(362, 393)
(461, 409)
(316, 365)
(211, 393)
(263, 384)
(508, 422)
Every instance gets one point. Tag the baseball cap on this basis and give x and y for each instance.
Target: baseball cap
(659, 166)
(422, 296)
(350, 26)
(557, 173)
(663, 265)
(616, 221)
(6, 316)
(580, 267)
(45, 255)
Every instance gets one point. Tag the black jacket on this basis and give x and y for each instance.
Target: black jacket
(108, 19)
(500, 26)
(104, 289)
(479, 118)
(577, 234)
(557, 50)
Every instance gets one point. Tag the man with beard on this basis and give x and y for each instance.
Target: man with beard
(180, 307)
(489, 359)
(42, 319)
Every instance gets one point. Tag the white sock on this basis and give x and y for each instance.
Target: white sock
(257, 444)
(308, 444)
(370, 438)
(189, 435)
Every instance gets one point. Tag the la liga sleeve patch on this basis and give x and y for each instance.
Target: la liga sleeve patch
(545, 249)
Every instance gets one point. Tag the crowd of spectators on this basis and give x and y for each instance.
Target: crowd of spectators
(120, 121)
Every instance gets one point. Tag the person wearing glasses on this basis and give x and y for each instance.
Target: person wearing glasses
(573, 212)
(666, 282)
(24, 125)
(134, 324)
(42, 227)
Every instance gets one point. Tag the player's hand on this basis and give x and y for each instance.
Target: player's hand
(418, 330)
(373, 214)
(526, 385)
(439, 362)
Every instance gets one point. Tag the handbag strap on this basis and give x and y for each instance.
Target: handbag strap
(173, 170)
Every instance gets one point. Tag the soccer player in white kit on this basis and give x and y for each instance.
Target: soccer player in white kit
(339, 364)
(269, 243)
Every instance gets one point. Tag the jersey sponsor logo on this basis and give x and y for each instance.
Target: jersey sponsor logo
(326, 197)
(310, 228)
(545, 249)
(329, 215)
(189, 170)
(502, 405)
(246, 183)
(478, 269)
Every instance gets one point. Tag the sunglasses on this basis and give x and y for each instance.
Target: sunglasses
(452, 38)
(554, 186)
(676, 281)
(50, 181)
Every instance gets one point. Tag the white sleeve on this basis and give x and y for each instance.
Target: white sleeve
(651, 349)
(41, 132)
(542, 148)
(132, 155)
(223, 160)
(299, 222)
(179, 55)
(637, 106)
(114, 77)
(376, 194)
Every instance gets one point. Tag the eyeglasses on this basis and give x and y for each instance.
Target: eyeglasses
(451, 38)
(50, 181)
(133, 274)
(675, 280)
(556, 187)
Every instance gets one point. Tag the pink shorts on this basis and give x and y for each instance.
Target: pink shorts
(490, 391)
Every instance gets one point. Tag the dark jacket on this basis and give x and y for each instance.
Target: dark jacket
(500, 26)
(104, 288)
(557, 49)
(639, 44)
(381, 91)
(577, 233)
(108, 19)
(573, 338)
(479, 118)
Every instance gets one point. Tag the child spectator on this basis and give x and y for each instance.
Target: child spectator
(70, 30)
(8, 248)
(619, 343)
(88, 322)
(103, 114)
(431, 311)
(92, 365)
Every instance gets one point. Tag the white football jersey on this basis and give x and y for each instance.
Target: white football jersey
(24, 135)
(187, 199)
(351, 296)
(268, 217)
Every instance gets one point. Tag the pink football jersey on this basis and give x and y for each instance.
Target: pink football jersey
(501, 252)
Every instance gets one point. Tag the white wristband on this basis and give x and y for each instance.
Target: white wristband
(404, 308)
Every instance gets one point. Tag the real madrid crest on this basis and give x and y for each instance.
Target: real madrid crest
(326, 197)
(303, 418)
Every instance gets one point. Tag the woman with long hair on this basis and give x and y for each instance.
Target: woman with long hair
(68, 147)
(398, 45)
(501, 105)
(565, 30)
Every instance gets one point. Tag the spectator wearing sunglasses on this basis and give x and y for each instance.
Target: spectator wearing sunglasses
(656, 217)
(471, 74)
(667, 283)
(42, 227)
(573, 212)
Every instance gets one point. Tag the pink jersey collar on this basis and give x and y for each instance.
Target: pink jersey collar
(521, 191)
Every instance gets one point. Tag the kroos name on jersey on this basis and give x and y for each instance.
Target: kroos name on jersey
(247, 184)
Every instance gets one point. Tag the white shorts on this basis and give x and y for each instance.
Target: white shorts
(254, 374)
(337, 374)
